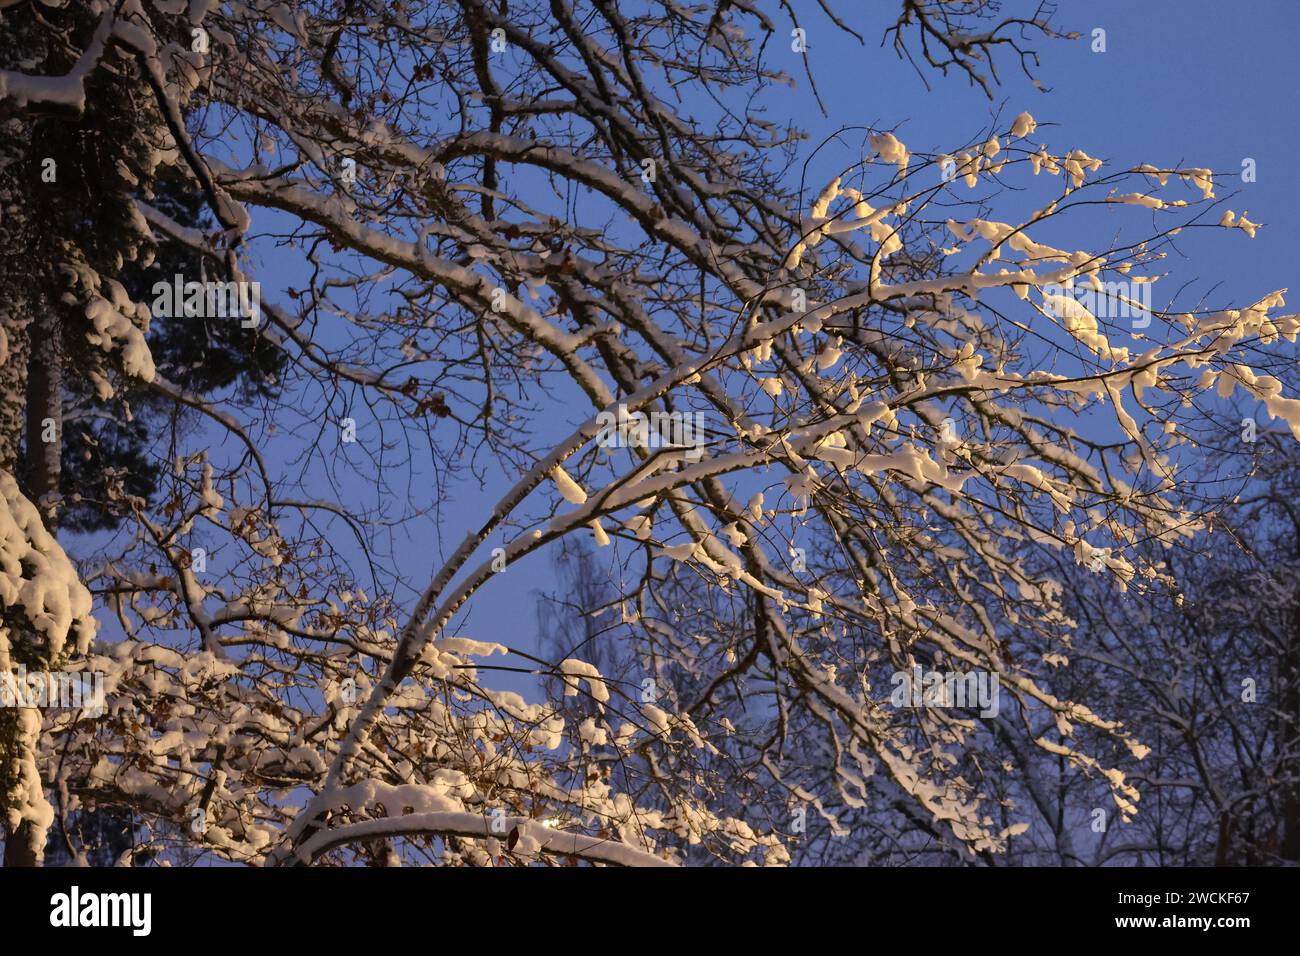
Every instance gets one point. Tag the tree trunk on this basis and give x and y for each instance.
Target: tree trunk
(18, 846)
(45, 417)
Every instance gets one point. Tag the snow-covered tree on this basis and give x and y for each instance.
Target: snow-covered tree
(559, 242)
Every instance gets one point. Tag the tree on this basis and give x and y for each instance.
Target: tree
(62, 236)
(83, 421)
(848, 426)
